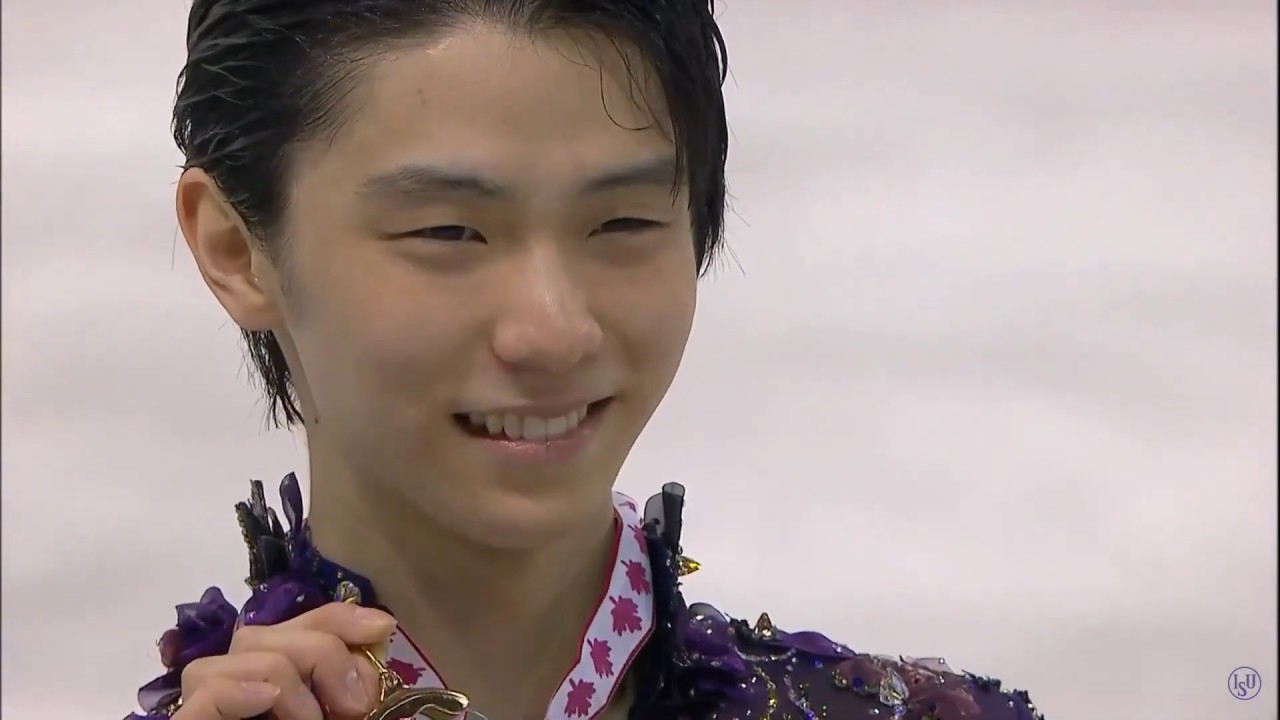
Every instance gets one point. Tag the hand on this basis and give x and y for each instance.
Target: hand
(303, 669)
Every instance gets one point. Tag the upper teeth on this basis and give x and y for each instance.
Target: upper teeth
(522, 427)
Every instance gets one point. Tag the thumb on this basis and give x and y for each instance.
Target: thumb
(372, 660)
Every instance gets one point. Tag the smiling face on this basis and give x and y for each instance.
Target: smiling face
(487, 281)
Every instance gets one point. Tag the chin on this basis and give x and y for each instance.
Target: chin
(509, 520)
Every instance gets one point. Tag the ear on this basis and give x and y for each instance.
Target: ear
(226, 252)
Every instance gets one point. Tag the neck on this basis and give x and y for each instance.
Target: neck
(500, 625)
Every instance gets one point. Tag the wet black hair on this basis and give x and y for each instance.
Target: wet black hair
(264, 75)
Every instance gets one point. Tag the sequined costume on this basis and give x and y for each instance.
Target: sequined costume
(685, 662)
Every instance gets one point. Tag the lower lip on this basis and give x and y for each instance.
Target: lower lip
(557, 450)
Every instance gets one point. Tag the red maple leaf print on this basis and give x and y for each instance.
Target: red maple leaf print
(409, 673)
(638, 533)
(626, 615)
(578, 703)
(636, 576)
(599, 650)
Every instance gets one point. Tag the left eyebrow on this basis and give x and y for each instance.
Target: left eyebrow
(655, 172)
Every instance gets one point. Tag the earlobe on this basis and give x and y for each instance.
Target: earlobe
(224, 251)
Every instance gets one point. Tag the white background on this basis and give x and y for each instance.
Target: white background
(993, 376)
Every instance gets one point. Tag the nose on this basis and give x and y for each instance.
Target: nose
(547, 325)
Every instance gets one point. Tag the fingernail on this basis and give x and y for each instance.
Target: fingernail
(377, 618)
(259, 691)
(355, 689)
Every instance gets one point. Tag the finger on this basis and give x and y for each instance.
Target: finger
(322, 661)
(371, 683)
(225, 699)
(370, 678)
(369, 675)
(296, 701)
(354, 625)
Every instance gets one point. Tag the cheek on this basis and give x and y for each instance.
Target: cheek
(651, 314)
(377, 336)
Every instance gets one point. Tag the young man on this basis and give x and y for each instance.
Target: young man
(462, 239)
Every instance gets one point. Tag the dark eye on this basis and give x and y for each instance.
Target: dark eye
(626, 225)
(446, 233)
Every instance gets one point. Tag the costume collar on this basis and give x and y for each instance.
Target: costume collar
(612, 638)
(684, 668)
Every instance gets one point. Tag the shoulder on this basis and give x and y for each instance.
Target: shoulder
(203, 629)
(806, 674)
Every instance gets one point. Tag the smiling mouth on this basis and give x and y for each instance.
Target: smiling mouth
(529, 428)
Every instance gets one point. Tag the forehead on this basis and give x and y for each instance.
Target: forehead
(546, 109)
